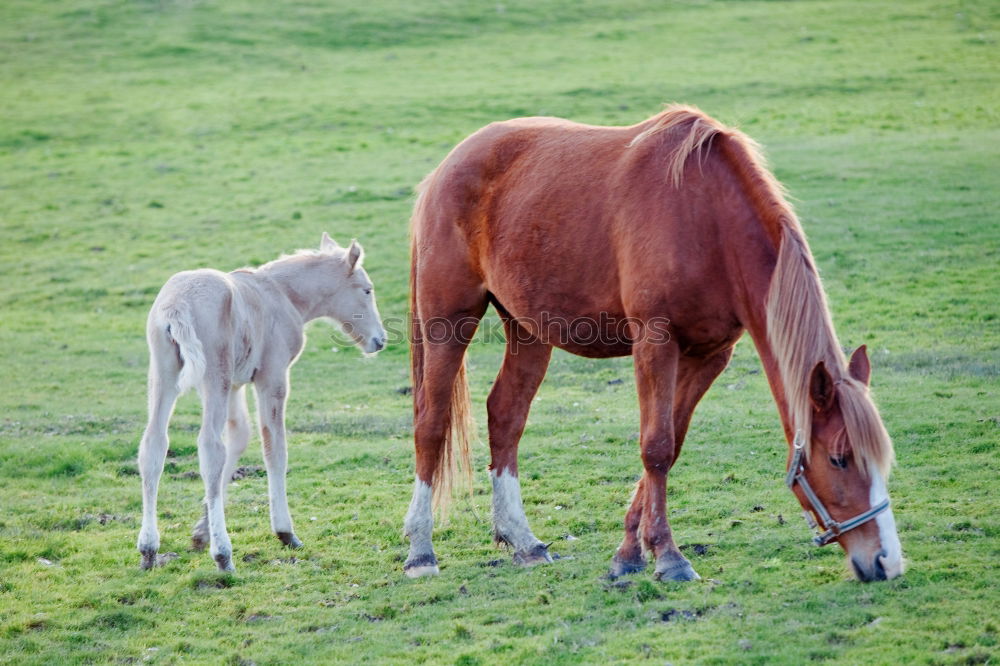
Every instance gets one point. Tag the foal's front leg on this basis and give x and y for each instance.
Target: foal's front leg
(271, 396)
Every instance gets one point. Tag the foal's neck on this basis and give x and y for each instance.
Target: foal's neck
(298, 277)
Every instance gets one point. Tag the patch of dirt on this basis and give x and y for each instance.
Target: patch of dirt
(696, 548)
(247, 471)
(674, 614)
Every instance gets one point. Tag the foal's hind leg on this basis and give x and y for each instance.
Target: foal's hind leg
(271, 395)
(212, 460)
(523, 369)
(152, 452)
(694, 377)
(237, 438)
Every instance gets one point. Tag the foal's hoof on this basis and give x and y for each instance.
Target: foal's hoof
(537, 554)
(289, 539)
(674, 568)
(152, 560)
(625, 567)
(199, 541)
(224, 562)
(424, 565)
(199, 535)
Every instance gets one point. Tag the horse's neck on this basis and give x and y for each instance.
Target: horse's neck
(789, 322)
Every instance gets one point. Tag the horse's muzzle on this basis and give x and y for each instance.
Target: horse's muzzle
(874, 570)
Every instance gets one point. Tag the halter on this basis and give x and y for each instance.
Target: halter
(797, 474)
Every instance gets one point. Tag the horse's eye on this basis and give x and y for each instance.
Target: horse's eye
(368, 291)
(838, 461)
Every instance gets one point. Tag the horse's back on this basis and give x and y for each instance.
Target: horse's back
(525, 191)
(567, 220)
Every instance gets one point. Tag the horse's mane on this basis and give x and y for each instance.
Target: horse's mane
(799, 327)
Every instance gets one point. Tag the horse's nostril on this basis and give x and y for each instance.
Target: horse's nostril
(879, 569)
(858, 571)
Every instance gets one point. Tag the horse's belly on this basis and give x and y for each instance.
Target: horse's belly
(595, 334)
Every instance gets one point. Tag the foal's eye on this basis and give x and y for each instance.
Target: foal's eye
(838, 461)
(368, 291)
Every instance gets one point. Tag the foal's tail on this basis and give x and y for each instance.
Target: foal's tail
(180, 330)
(460, 427)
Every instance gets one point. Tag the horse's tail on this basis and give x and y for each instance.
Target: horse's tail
(460, 428)
(180, 329)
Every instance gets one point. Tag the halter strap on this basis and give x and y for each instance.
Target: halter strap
(797, 474)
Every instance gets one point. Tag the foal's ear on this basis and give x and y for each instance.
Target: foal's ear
(859, 367)
(326, 243)
(821, 388)
(354, 255)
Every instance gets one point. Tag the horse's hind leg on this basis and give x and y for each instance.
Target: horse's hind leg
(237, 438)
(441, 357)
(152, 452)
(694, 377)
(523, 369)
(212, 461)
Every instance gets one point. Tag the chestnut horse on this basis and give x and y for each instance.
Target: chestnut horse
(668, 239)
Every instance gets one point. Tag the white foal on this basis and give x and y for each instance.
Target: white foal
(217, 332)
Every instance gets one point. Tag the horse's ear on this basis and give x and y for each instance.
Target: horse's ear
(821, 388)
(354, 255)
(859, 367)
(326, 243)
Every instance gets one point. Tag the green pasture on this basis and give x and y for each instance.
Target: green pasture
(143, 137)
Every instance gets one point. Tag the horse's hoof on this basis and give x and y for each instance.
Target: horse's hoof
(675, 568)
(289, 539)
(625, 567)
(537, 554)
(224, 562)
(422, 565)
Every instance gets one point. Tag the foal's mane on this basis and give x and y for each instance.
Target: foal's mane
(799, 327)
(287, 261)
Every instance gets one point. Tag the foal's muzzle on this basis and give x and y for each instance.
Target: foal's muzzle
(376, 344)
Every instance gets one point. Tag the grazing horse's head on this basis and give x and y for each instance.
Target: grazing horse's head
(352, 305)
(839, 474)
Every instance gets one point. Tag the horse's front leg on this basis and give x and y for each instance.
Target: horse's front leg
(656, 365)
(630, 558)
(523, 369)
(272, 392)
(694, 377)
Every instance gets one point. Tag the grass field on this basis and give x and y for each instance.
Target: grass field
(142, 137)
